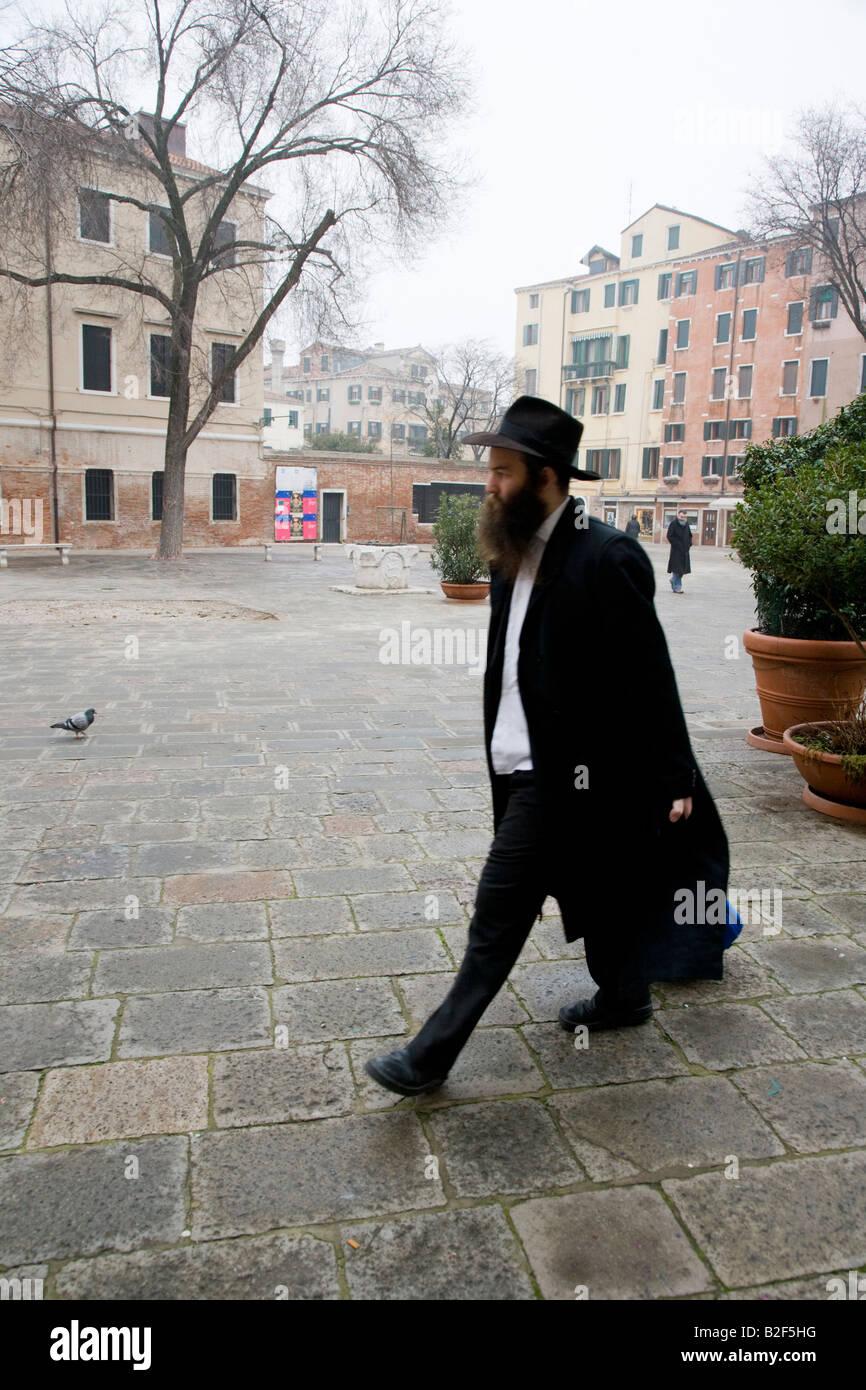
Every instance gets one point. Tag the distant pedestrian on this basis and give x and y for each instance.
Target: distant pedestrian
(632, 527)
(680, 537)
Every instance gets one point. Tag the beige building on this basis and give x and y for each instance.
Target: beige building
(593, 343)
(83, 387)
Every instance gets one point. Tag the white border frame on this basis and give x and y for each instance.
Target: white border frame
(91, 390)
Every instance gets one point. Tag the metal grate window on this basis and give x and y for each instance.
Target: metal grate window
(156, 480)
(224, 497)
(98, 494)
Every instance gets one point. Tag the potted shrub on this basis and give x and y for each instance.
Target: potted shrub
(830, 756)
(455, 558)
(808, 573)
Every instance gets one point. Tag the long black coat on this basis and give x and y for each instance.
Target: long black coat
(599, 694)
(680, 538)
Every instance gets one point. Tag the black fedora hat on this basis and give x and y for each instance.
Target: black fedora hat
(537, 427)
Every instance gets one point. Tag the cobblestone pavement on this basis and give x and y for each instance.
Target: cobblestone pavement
(258, 870)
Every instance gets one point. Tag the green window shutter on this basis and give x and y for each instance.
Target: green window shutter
(609, 296)
(663, 347)
(622, 348)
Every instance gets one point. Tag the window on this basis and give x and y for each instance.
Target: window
(622, 350)
(221, 357)
(789, 378)
(533, 301)
(740, 429)
(750, 325)
(665, 285)
(818, 382)
(308, 363)
(575, 400)
(323, 393)
(397, 397)
(799, 262)
(156, 496)
(160, 364)
(650, 464)
(419, 371)
(753, 270)
(662, 354)
(679, 388)
(374, 429)
(687, 282)
(628, 292)
(226, 234)
(712, 466)
(374, 393)
(637, 245)
(530, 334)
(416, 397)
(308, 430)
(354, 427)
(321, 428)
(354, 394)
(658, 393)
(609, 296)
(863, 373)
(673, 467)
(224, 494)
(309, 396)
(418, 434)
(604, 461)
(831, 228)
(619, 398)
(735, 463)
(580, 301)
(398, 431)
(98, 494)
(159, 238)
(784, 426)
(795, 318)
(726, 276)
(683, 328)
(823, 303)
(293, 419)
(325, 362)
(744, 384)
(720, 377)
(714, 429)
(95, 357)
(530, 381)
(675, 433)
(723, 328)
(673, 238)
(94, 215)
(600, 400)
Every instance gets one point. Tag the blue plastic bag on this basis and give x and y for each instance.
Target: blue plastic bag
(733, 925)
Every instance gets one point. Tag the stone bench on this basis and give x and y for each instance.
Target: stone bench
(64, 551)
(317, 545)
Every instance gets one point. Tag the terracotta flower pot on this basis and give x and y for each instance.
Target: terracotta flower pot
(466, 591)
(827, 787)
(801, 681)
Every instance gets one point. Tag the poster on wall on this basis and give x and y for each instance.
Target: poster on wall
(296, 505)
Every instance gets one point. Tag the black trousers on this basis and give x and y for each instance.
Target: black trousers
(511, 891)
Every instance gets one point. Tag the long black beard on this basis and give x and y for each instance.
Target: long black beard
(506, 528)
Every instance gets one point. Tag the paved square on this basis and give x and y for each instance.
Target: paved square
(258, 870)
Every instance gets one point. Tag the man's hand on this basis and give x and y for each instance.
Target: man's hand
(681, 808)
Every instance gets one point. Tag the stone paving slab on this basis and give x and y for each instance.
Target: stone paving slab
(271, 871)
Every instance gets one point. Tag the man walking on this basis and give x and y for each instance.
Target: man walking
(632, 527)
(680, 537)
(597, 800)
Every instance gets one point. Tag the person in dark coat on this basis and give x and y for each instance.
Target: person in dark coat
(594, 783)
(632, 527)
(680, 537)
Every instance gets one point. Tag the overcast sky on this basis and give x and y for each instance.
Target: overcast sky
(586, 115)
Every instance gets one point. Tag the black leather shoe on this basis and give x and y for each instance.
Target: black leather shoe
(592, 1015)
(395, 1072)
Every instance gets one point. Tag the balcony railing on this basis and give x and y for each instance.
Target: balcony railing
(587, 371)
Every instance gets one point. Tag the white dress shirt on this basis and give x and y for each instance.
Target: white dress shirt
(509, 750)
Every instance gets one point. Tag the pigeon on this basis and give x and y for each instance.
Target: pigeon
(77, 724)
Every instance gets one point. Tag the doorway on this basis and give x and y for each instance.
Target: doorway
(708, 528)
(332, 516)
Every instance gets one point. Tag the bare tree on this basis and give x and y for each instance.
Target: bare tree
(474, 385)
(818, 195)
(350, 100)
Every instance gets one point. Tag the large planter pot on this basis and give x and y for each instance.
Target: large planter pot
(801, 682)
(466, 592)
(381, 566)
(827, 787)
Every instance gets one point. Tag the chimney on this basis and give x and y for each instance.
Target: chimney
(176, 136)
(278, 350)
